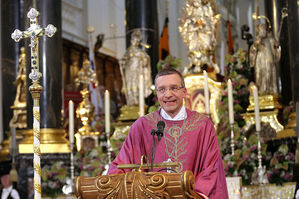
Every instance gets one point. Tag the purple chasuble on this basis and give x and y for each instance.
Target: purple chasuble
(191, 142)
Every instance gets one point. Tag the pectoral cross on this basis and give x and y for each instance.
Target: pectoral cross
(33, 32)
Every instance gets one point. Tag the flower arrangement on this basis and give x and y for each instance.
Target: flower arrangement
(90, 162)
(281, 165)
(53, 179)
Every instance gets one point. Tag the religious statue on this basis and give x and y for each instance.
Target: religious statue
(19, 119)
(264, 56)
(198, 30)
(86, 75)
(134, 63)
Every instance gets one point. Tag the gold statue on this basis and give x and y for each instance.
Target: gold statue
(264, 56)
(198, 30)
(86, 76)
(19, 119)
(85, 110)
(135, 62)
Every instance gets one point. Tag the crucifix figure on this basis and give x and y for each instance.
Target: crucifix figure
(33, 32)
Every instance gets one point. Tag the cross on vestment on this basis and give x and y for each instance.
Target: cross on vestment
(33, 32)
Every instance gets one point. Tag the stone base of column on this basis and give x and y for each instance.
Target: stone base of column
(52, 141)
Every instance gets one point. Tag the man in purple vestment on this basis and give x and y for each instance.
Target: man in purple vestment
(189, 139)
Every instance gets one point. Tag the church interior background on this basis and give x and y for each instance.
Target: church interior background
(210, 42)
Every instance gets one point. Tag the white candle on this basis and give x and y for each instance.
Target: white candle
(230, 102)
(256, 109)
(71, 121)
(107, 111)
(206, 87)
(141, 95)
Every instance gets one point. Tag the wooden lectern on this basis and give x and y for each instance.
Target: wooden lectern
(137, 185)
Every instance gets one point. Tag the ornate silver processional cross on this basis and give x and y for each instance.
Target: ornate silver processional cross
(33, 32)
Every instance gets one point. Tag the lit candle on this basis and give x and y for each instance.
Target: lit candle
(256, 109)
(107, 111)
(141, 96)
(230, 102)
(206, 87)
(71, 122)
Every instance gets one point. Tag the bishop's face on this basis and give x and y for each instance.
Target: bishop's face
(170, 93)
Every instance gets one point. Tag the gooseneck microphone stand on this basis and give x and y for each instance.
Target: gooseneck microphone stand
(153, 132)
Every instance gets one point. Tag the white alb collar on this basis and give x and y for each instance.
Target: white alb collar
(8, 189)
(182, 114)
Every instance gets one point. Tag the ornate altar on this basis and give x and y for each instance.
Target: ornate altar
(137, 185)
(195, 99)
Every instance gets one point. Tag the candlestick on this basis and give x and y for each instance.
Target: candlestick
(206, 91)
(71, 122)
(256, 109)
(232, 143)
(230, 102)
(141, 95)
(107, 111)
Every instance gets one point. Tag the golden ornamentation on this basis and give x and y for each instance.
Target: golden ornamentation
(37, 168)
(36, 150)
(269, 106)
(195, 95)
(37, 187)
(51, 141)
(266, 102)
(36, 133)
(129, 185)
(129, 113)
(198, 30)
(19, 119)
(270, 190)
(36, 115)
(85, 111)
(33, 32)
(134, 63)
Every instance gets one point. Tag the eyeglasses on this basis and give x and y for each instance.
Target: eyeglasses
(172, 89)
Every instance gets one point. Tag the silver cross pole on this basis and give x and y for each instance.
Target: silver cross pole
(33, 32)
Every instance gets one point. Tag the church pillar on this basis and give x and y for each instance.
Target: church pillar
(143, 14)
(50, 63)
(10, 19)
(293, 32)
(273, 10)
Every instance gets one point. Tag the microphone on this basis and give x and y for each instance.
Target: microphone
(159, 132)
(160, 129)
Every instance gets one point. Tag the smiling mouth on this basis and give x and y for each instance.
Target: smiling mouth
(170, 102)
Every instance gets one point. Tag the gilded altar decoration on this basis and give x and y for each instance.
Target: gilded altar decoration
(195, 99)
(269, 107)
(33, 32)
(85, 111)
(19, 119)
(135, 62)
(198, 30)
(137, 185)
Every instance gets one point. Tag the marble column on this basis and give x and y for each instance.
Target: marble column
(143, 14)
(10, 19)
(273, 10)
